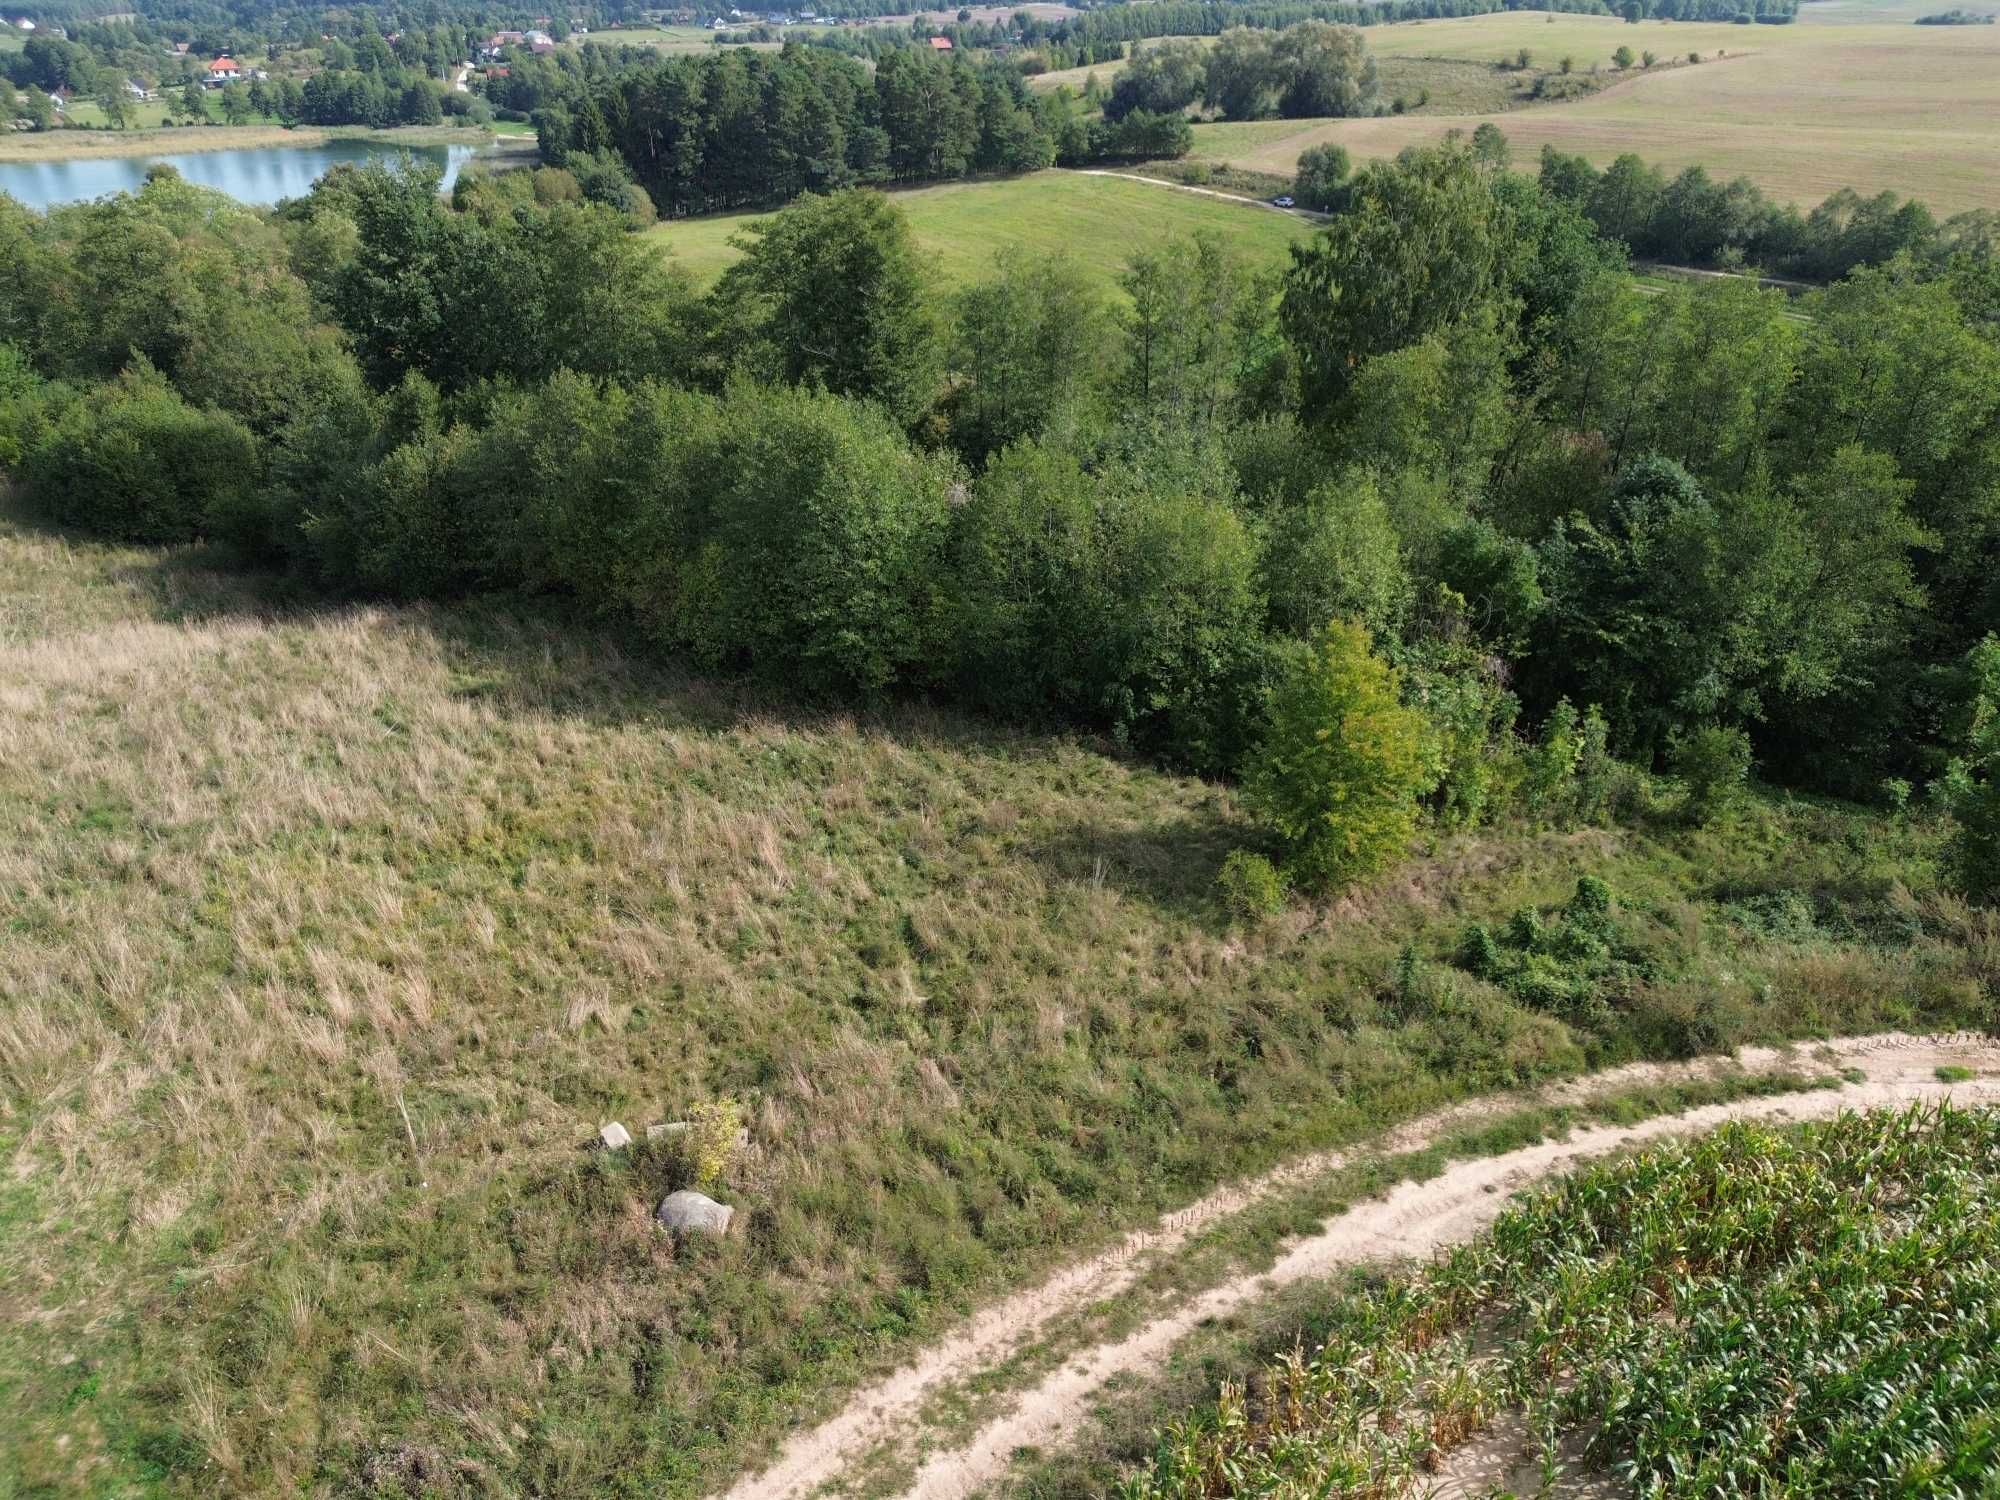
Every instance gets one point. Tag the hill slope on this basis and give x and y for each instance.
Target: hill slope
(329, 937)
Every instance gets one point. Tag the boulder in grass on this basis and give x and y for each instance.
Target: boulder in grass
(689, 1212)
(615, 1137)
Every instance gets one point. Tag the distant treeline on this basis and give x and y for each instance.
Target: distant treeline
(1099, 35)
(702, 134)
(1196, 18)
(1693, 219)
(1957, 18)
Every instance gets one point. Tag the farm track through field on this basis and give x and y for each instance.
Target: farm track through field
(1187, 187)
(1413, 1219)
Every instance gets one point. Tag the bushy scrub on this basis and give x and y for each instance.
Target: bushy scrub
(1320, 182)
(1339, 768)
(1251, 887)
(1332, 555)
(135, 461)
(1468, 714)
(1814, 1310)
(1971, 785)
(1576, 963)
(586, 486)
(1125, 596)
(1713, 765)
(815, 530)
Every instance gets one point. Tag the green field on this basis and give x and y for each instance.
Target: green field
(1098, 221)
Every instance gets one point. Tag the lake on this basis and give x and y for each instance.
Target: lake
(254, 174)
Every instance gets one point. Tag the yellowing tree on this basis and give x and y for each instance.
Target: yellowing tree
(1341, 763)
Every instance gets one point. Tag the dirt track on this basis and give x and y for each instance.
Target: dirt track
(1413, 1219)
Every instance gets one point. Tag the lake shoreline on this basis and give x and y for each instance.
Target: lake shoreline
(78, 145)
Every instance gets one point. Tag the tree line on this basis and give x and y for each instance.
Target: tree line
(1136, 22)
(1309, 70)
(1693, 219)
(1440, 524)
(719, 131)
(1104, 33)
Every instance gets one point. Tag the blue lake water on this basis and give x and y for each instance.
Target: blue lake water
(256, 174)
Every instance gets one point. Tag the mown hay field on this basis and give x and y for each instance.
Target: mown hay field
(330, 935)
(1801, 110)
(1097, 221)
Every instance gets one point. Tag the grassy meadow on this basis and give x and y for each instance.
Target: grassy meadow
(330, 934)
(1097, 221)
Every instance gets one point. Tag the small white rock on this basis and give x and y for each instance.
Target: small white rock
(688, 1212)
(615, 1137)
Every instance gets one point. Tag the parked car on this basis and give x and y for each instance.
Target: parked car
(1283, 200)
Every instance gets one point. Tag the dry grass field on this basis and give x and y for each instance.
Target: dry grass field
(1800, 110)
(1851, 95)
(330, 935)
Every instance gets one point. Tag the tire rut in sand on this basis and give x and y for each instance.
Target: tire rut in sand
(1413, 1219)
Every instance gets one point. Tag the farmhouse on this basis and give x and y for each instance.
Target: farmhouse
(222, 71)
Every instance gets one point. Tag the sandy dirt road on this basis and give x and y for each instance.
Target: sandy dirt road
(1413, 1219)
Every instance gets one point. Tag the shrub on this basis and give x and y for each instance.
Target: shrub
(1251, 887)
(1551, 763)
(1320, 182)
(1576, 964)
(1591, 900)
(815, 529)
(1341, 762)
(702, 1153)
(1124, 597)
(1970, 788)
(134, 461)
(1712, 764)
(24, 400)
(1333, 555)
(419, 540)
(1468, 722)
